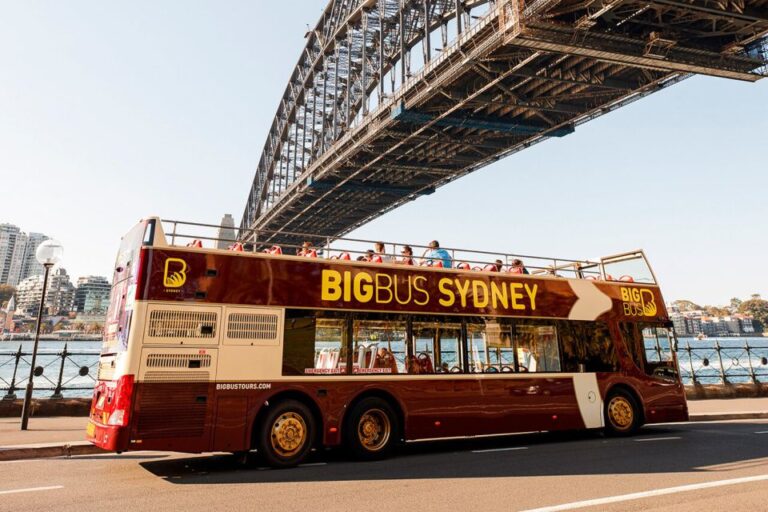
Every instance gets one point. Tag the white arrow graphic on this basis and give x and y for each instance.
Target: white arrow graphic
(591, 302)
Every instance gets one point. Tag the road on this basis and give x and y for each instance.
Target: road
(723, 464)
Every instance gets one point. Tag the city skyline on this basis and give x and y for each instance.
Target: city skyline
(173, 124)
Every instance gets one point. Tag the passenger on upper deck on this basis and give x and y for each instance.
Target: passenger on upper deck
(379, 249)
(407, 258)
(517, 267)
(305, 250)
(498, 264)
(434, 252)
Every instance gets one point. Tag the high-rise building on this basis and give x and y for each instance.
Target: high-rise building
(58, 299)
(17, 254)
(92, 294)
(226, 234)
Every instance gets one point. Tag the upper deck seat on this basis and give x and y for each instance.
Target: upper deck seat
(195, 243)
(311, 254)
(490, 268)
(627, 279)
(515, 270)
(463, 266)
(376, 259)
(237, 247)
(345, 256)
(276, 249)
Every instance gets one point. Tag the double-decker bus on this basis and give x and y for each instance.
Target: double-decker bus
(249, 348)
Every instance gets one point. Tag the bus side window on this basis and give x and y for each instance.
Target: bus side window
(489, 347)
(436, 348)
(537, 347)
(378, 346)
(599, 351)
(633, 342)
(313, 346)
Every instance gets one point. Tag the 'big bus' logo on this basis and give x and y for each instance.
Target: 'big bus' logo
(175, 274)
(638, 302)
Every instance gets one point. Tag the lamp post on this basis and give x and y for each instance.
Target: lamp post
(48, 254)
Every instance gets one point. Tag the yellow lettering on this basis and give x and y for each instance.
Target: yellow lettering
(450, 298)
(532, 294)
(462, 291)
(422, 290)
(499, 295)
(480, 299)
(635, 295)
(363, 288)
(330, 289)
(382, 288)
(515, 295)
(347, 286)
(625, 294)
(397, 298)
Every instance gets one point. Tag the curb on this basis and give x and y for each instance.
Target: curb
(46, 451)
(724, 416)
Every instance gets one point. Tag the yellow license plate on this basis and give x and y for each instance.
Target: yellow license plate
(90, 429)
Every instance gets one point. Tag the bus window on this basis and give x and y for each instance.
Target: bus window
(489, 348)
(633, 343)
(592, 348)
(378, 346)
(313, 346)
(655, 345)
(436, 348)
(537, 347)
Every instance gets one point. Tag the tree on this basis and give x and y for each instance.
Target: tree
(758, 308)
(735, 303)
(6, 292)
(717, 311)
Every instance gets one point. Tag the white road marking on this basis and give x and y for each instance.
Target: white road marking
(658, 439)
(648, 494)
(33, 489)
(501, 449)
(309, 465)
(762, 432)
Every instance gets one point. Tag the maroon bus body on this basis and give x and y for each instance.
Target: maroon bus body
(198, 417)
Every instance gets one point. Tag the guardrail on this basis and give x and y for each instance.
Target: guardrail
(57, 372)
(74, 373)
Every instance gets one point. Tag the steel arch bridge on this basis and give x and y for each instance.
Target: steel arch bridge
(391, 99)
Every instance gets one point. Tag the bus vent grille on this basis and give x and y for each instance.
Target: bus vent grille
(189, 376)
(164, 323)
(178, 361)
(172, 410)
(252, 326)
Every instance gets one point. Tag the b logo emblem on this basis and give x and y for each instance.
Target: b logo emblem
(638, 302)
(175, 274)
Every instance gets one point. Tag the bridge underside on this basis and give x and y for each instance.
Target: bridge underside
(521, 74)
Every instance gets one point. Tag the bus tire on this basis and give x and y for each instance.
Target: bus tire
(286, 435)
(371, 431)
(622, 413)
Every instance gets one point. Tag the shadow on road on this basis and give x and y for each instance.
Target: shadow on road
(657, 449)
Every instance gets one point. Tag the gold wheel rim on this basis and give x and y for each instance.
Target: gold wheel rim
(374, 430)
(289, 434)
(621, 413)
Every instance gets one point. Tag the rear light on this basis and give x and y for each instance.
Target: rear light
(122, 402)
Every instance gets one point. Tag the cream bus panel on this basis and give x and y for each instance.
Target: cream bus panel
(177, 365)
(252, 326)
(182, 324)
(246, 363)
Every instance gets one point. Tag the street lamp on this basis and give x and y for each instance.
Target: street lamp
(48, 254)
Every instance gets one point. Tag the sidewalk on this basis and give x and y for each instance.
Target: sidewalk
(65, 435)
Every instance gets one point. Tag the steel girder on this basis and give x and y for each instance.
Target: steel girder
(393, 98)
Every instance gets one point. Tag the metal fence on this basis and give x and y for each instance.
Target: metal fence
(74, 372)
(58, 372)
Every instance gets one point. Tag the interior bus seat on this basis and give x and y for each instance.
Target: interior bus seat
(334, 359)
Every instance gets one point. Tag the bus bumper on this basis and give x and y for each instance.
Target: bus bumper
(107, 437)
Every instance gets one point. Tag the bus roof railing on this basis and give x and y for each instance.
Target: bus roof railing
(335, 247)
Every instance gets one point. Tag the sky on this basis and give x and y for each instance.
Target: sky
(114, 111)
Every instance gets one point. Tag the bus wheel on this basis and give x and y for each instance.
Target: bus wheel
(286, 434)
(371, 431)
(622, 414)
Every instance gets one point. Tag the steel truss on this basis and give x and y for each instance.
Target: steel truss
(391, 99)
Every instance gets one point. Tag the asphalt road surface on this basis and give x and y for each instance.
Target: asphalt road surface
(680, 467)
